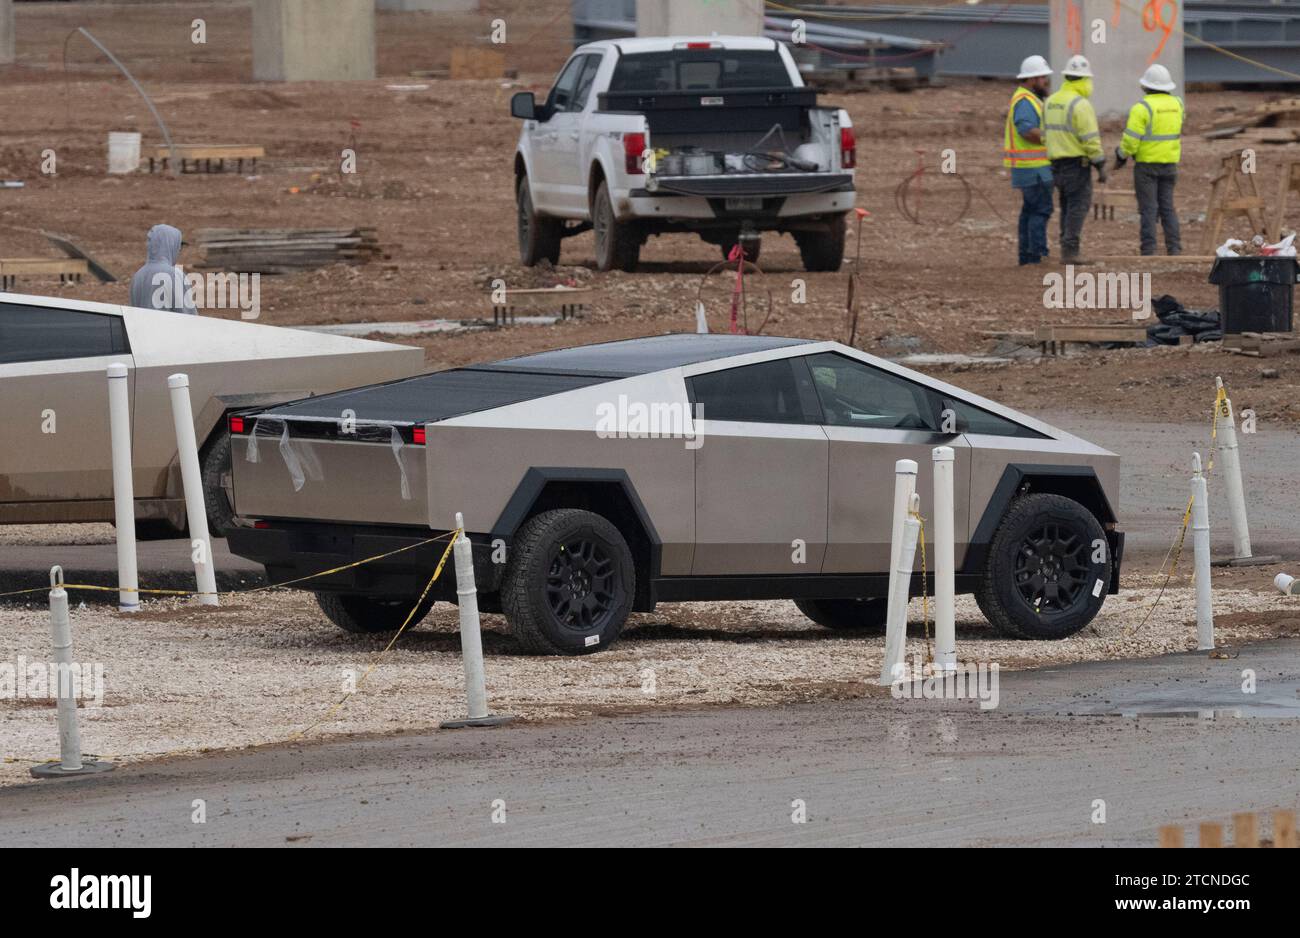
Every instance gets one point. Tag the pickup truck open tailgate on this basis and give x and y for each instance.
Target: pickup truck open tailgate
(748, 184)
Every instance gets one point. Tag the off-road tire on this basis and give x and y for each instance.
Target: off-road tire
(618, 244)
(368, 615)
(539, 237)
(1069, 537)
(214, 467)
(552, 554)
(846, 615)
(822, 250)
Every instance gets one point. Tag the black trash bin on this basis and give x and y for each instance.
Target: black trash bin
(1255, 293)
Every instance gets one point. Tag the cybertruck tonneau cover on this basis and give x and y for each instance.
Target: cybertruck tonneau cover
(445, 394)
(431, 397)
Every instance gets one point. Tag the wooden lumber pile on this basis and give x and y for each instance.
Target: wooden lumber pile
(1270, 122)
(1261, 344)
(284, 250)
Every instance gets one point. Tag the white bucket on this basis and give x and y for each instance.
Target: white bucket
(123, 153)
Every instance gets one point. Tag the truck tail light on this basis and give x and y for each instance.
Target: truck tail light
(633, 147)
(848, 148)
(417, 436)
(698, 45)
(236, 424)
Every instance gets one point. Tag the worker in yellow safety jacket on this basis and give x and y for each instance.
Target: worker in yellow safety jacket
(1024, 152)
(1073, 146)
(1154, 139)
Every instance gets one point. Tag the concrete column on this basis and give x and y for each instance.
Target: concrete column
(313, 40)
(693, 18)
(6, 32)
(1119, 46)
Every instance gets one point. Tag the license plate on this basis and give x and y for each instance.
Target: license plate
(745, 204)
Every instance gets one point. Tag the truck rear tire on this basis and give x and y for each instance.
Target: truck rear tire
(618, 244)
(1041, 580)
(539, 237)
(846, 614)
(822, 251)
(215, 466)
(570, 583)
(367, 615)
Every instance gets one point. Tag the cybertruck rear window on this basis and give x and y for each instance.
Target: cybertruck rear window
(40, 333)
(700, 70)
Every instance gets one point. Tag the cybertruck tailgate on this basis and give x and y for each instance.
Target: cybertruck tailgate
(358, 456)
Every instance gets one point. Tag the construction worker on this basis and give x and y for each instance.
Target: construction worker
(1074, 144)
(1153, 138)
(1025, 154)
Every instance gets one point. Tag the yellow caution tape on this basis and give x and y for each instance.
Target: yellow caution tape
(1176, 548)
(437, 572)
(255, 589)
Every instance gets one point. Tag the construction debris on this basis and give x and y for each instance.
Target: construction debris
(75, 251)
(1283, 116)
(284, 250)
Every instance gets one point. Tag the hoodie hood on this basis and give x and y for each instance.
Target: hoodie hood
(1082, 85)
(164, 244)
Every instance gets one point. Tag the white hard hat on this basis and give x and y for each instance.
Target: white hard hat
(1034, 67)
(1077, 67)
(1157, 78)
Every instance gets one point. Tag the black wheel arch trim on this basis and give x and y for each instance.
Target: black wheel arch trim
(534, 483)
(1014, 477)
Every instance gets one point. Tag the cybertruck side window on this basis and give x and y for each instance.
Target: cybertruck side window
(38, 333)
(769, 392)
(854, 394)
(974, 420)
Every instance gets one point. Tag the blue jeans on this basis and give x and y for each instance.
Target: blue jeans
(1034, 213)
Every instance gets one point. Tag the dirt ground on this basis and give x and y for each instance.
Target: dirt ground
(435, 179)
(183, 678)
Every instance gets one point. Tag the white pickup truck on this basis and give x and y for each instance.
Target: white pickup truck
(713, 135)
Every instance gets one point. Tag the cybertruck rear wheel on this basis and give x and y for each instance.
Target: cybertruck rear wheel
(368, 615)
(846, 615)
(570, 583)
(1048, 569)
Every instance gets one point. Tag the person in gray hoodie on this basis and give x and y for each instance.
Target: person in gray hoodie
(160, 283)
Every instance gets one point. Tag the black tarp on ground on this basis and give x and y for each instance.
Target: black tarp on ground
(1177, 321)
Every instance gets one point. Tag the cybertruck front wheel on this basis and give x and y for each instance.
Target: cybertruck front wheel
(569, 586)
(846, 614)
(1048, 569)
(368, 615)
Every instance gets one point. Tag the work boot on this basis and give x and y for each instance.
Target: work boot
(1078, 260)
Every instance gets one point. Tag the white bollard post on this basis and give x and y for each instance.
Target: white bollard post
(1201, 547)
(471, 637)
(945, 582)
(904, 485)
(119, 424)
(192, 480)
(701, 321)
(70, 762)
(1231, 457)
(900, 581)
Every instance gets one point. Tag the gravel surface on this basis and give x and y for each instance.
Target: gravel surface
(267, 668)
